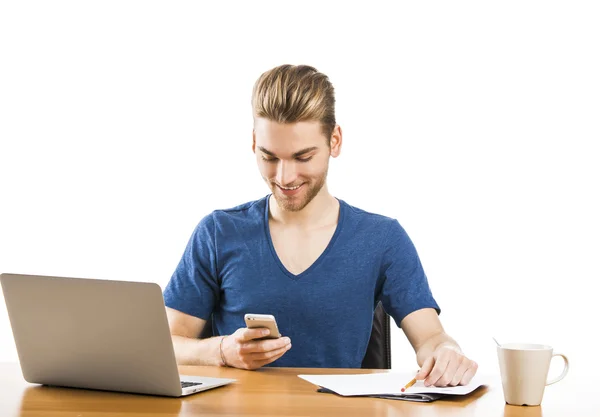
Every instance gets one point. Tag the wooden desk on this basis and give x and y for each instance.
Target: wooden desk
(274, 392)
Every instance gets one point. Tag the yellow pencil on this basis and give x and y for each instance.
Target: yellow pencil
(410, 384)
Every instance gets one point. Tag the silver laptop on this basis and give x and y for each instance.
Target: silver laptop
(96, 334)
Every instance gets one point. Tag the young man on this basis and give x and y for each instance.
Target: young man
(316, 263)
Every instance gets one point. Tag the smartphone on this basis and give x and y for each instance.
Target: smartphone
(254, 321)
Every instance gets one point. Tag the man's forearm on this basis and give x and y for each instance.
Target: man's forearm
(427, 349)
(189, 351)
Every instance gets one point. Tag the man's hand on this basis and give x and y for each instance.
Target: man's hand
(447, 366)
(441, 359)
(240, 350)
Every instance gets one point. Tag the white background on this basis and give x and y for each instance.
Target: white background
(123, 123)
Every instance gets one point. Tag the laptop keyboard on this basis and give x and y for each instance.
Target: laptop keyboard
(189, 384)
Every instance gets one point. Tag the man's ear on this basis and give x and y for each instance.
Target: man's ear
(253, 141)
(335, 144)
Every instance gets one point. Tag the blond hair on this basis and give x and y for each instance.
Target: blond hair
(295, 93)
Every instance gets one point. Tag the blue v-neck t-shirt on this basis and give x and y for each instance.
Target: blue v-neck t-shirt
(230, 268)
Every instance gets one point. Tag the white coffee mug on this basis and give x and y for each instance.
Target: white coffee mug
(524, 370)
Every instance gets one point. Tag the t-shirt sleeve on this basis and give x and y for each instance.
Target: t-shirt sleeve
(405, 288)
(194, 288)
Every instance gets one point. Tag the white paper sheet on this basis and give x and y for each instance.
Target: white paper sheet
(382, 384)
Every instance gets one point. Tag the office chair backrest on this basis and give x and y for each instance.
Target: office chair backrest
(379, 349)
(378, 355)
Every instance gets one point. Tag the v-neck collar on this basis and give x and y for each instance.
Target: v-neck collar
(316, 263)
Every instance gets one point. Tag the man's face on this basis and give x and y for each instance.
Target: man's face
(293, 160)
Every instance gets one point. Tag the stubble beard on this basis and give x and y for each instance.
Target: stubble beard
(297, 203)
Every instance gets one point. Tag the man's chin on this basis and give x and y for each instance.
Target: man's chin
(297, 202)
(289, 203)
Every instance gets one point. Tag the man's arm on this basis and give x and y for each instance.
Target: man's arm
(189, 350)
(441, 359)
(239, 350)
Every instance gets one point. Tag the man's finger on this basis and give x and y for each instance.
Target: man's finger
(245, 335)
(261, 363)
(460, 372)
(438, 370)
(426, 368)
(257, 346)
(454, 362)
(261, 356)
(469, 374)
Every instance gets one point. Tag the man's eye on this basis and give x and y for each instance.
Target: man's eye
(269, 159)
(304, 159)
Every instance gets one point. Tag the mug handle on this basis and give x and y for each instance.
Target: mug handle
(564, 372)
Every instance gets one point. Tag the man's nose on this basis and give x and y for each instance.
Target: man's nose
(286, 173)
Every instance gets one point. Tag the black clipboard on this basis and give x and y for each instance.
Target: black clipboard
(422, 398)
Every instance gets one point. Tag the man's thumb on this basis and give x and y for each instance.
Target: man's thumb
(426, 368)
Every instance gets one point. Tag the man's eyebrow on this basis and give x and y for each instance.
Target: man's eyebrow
(303, 151)
(295, 155)
(263, 150)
